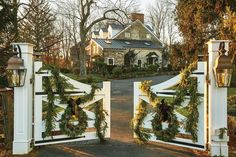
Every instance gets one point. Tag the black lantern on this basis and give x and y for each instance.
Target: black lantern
(16, 71)
(223, 68)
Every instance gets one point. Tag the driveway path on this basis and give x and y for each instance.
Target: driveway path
(121, 143)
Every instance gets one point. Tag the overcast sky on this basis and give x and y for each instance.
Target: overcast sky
(144, 4)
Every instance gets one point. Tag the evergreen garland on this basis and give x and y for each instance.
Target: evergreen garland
(165, 112)
(59, 84)
(182, 91)
(72, 116)
(100, 121)
(137, 123)
(50, 118)
(192, 118)
(146, 88)
(68, 118)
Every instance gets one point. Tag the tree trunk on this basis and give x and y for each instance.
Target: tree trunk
(82, 61)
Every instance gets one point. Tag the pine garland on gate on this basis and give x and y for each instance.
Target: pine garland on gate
(192, 118)
(50, 83)
(50, 118)
(161, 110)
(137, 123)
(74, 120)
(100, 121)
(165, 112)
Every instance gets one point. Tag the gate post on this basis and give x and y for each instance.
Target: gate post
(217, 104)
(23, 103)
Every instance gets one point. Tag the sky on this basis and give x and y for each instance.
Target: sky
(144, 4)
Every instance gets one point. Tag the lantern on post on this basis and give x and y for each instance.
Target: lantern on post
(223, 68)
(16, 71)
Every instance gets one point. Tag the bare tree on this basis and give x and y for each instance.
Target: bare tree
(84, 14)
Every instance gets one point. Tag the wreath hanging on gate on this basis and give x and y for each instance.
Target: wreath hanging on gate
(74, 119)
(165, 113)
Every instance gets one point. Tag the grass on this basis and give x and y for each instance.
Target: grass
(91, 78)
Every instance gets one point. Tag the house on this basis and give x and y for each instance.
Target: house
(135, 41)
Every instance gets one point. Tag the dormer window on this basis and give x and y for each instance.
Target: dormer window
(107, 41)
(148, 44)
(127, 43)
(148, 36)
(127, 35)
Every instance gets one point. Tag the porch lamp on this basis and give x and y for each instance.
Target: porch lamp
(16, 71)
(223, 68)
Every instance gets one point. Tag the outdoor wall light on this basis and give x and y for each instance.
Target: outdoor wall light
(223, 68)
(16, 71)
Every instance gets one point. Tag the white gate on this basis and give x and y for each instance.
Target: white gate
(162, 90)
(79, 89)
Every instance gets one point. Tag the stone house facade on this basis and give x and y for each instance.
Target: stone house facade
(136, 37)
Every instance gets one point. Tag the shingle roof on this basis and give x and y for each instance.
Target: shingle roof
(148, 27)
(116, 26)
(124, 44)
(104, 29)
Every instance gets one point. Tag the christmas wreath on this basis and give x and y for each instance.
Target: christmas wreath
(74, 119)
(165, 113)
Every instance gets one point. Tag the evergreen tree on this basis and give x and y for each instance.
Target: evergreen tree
(37, 27)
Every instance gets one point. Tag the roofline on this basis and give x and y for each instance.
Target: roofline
(142, 25)
(122, 31)
(97, 43)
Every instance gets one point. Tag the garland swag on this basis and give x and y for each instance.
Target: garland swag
(70, 116)
(165, 112)
(100, 121)
(137, 123)
(74, 119)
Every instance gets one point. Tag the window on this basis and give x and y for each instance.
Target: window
(148, 36)
(127, 35)
(127, 43)
(139, 63)
(135, 35)
(148, 44)
(110, 61)
(107, 41)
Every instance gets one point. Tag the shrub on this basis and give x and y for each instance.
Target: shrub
(153, 68)
(232, 105)
(117, 71)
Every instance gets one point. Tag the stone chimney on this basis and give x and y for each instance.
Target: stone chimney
(137, 16)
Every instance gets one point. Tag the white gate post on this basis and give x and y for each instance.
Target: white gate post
(217, 108)
(23, 103)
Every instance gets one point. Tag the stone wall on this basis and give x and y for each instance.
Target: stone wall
(117, 55)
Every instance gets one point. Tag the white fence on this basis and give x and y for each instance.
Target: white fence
(79, 89)
(163, 90)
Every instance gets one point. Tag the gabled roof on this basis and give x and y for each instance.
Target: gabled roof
(125, 44)
(146, 27)
(116, 26)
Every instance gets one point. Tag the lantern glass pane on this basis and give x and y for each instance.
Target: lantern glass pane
(223, 77)
(16, 77)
